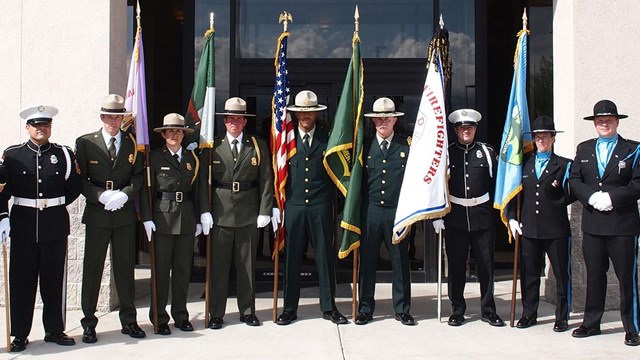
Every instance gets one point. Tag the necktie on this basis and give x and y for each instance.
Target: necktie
(234, 150)
(175, 156)
(604, 148)
(542, 159)
(112, 148)
(384, 147)
(305, 142)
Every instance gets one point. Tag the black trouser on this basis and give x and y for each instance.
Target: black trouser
(313, 222)
(123, 251)
(531, 265)
(174, 254)
(623, 252)
(28, 261)
(378, 230)
(482, 247)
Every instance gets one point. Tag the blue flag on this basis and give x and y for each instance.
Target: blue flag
(516, 136)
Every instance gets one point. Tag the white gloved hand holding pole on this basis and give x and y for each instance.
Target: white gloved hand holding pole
(275, 218)
(149, 228)
(5, 230)
(515, 227)
(438, 225)
(206, 220)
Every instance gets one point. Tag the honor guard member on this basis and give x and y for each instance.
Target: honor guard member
(385, 160)
(112, 175)
(545, 225)
(470, 223)
(242, 203)
(605, 177)
(308, 214)
(179, 203)
(42, 179)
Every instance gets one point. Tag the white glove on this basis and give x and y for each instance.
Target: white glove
(149, 228)
(515, 227)
(198, 229)
(604, 202)
(192, 146)
(5, 230)
(117, 201)
(438, 225)
(207, 222)
(106, 196)
(263, 220)
(275, 218)
(593, 199)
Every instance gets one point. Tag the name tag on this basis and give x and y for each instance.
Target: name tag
(584, 161)
(93, 161)
(216, 161)
(165, 168)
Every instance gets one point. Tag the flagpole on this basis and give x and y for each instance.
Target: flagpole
(354, 279)
(7, 311)
(207, 281)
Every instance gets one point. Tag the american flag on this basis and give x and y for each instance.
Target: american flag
(283, 139)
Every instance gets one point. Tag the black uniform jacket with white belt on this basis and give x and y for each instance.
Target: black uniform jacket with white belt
(621, 179)
(34, 173)
(544, 201)
(472, 175)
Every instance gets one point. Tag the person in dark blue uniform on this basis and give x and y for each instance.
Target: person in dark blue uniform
(605, 177)
(42, 179)
(385, 158)
(308, 214)
(544, 225)
(470, 223)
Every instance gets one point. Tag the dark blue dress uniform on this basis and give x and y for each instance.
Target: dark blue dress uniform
(609, 234)
(545, 228)
(472, 183)
(42, 180)
(382, 182)
(308, 216)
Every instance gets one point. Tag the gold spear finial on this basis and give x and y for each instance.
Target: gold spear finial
(285, 18)
(441, 22)
(356, 18)
(138, 11)
(524, 19)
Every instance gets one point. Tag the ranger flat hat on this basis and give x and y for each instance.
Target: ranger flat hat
(235, 106)
(306, 101)
(113, 104)
(605, 108)
(543, 124)
(39, 114)
(173, 121)
(464, 117)
(384, 107)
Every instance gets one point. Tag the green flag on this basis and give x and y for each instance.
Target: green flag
(343, 158)
(201, 111)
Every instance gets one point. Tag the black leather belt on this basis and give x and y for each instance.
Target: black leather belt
(107, 185)
(236, 185)
(177, 196)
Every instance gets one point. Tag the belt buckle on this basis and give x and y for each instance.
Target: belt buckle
(41, 203)
(179, 196)
(108, 185)
(235, 186)
(474, 201)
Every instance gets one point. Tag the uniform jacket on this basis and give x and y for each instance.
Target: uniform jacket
(308, 182)
(471, 175)
(96, 169)
(621, 180)
(544, 201)
(39, 172)
(383, 174)
(236, 209)
(169, 175)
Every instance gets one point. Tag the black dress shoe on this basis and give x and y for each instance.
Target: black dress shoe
(363, 318)
(89, 335)
(632, 339)
(251, 320)
(584, 331)
(19, 344)
(456, 320)
(405, 319)
(215, 323)
(525, 322)
(133, 330)
(493, 319)
(334, 316)
(560, 326)
(163, 329)
(184, 325)
(286, 318)
(60, 339)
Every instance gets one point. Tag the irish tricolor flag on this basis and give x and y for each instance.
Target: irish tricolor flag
(201, 110)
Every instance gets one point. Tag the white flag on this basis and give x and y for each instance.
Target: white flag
(424, 193)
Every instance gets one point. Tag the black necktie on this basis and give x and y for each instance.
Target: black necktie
(112, 148)
(383, 147)
(305, 142)
(234, 150)
(175, 156)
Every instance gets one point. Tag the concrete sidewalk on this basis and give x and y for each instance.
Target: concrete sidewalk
(311, 337)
